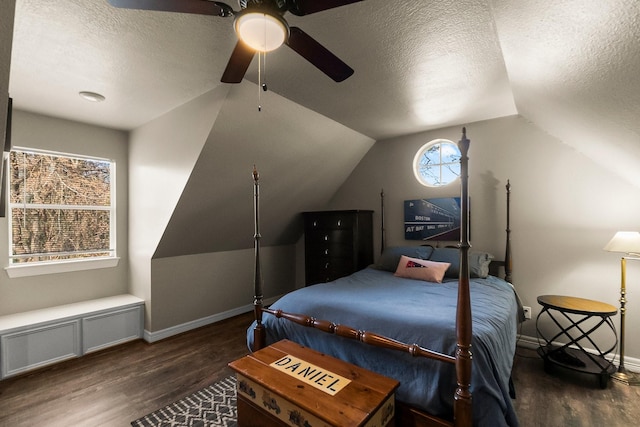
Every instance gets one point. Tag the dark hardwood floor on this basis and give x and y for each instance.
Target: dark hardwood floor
(569, 399)
(115, 386)
(118, 385)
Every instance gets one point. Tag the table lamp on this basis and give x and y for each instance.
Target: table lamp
(627, 242)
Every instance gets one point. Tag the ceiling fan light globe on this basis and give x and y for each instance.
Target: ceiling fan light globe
(261, 31)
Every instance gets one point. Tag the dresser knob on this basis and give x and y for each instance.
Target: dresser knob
(339, 222)
(326, 237)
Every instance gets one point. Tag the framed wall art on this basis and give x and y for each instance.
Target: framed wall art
(432, 219)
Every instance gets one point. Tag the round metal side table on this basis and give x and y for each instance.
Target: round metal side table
(582, 318)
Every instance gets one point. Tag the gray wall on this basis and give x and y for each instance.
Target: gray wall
(564, 209)
(30, 293)
(191, 200)
(191, 289)
(7, 9)
(162, 154)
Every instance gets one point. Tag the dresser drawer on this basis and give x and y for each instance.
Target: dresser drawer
(330, 237)
(335, 264)
(328, 252)
(324, 264)
(330, 222)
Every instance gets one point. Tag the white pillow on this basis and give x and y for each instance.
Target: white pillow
(421, 269)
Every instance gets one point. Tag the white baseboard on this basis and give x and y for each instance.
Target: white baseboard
(532, 343)
(194, 324)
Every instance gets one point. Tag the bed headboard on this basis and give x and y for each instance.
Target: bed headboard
(496, 265)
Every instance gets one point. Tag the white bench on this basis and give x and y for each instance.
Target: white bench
(38, 338)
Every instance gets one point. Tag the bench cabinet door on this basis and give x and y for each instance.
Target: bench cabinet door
(33, 348)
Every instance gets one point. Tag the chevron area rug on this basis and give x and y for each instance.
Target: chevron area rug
(212, 406)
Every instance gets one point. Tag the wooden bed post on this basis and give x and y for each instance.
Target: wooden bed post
(507, 251)
(258, 330)
(462, 403)
(382, 231)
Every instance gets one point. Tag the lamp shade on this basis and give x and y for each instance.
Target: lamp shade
(624, 241)
(260, 31)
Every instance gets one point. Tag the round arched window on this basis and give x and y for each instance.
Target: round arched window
(437, 163)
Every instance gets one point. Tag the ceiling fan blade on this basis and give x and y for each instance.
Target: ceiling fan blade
(318, 55)
(238, 63)
(307, 7)
(183, 6)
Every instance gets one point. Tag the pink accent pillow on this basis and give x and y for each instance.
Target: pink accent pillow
(421, 269)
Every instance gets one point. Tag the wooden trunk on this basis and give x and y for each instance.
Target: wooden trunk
(287, 384)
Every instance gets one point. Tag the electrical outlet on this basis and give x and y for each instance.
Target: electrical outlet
(527, 312)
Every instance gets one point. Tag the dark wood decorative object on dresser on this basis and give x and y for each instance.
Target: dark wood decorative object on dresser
(337, 243)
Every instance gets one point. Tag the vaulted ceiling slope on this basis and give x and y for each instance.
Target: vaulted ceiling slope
(574, 68)
(302, 160)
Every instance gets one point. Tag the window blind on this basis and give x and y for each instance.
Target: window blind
(61, 207)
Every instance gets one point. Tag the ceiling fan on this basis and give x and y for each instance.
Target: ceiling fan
(261, 27)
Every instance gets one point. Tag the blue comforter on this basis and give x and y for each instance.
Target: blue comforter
(413, 311)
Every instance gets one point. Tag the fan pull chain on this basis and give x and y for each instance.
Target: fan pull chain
(262, 67)
(259, 80)
(262, 63)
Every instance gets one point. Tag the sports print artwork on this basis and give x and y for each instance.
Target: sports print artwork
(432, 219)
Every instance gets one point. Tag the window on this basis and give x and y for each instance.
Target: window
(437, 163)
(62, 208)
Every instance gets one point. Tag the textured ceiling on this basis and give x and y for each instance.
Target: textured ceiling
(417, 66)
(574, 68)
(571, 67)
(144, 63)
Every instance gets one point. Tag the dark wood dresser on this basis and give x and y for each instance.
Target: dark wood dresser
(337, 243)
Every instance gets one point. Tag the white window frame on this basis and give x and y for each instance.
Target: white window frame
(62, 266)
(417, 162)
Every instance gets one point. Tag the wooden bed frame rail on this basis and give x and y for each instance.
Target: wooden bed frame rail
(462, 416)
(366, 337)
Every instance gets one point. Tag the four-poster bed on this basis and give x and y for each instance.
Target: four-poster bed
(413, 337)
